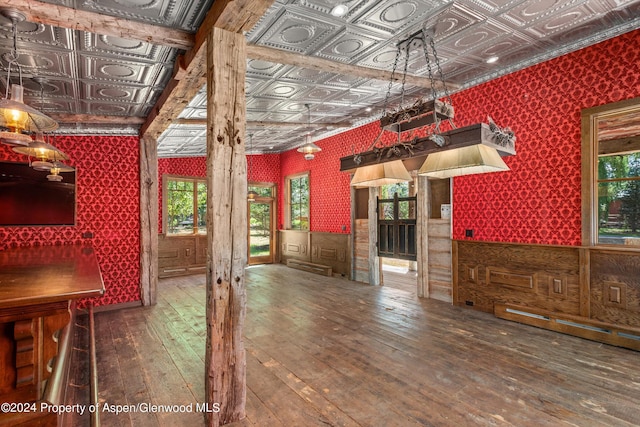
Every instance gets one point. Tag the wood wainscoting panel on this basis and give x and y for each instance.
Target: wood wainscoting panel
(540, 276)
(332, 249)
(328, 249)
(439, 259)
(361, 242)
(522, 281)
(294, 244)
(181, 255)
(615, 286)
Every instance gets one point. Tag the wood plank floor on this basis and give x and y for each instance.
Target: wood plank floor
(331, 352)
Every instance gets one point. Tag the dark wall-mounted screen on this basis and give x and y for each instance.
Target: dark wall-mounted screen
(27, 198)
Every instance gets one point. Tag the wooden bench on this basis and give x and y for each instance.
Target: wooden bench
(325, 270)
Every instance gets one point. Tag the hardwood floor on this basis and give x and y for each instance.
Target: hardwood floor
(331, 352)
(400, 278)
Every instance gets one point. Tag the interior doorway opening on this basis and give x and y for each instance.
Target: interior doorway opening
(399, 274)
(261, 224)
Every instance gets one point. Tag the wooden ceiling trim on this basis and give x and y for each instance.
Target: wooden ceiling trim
(97, 23)
(203, 122)
(190, 72)
(96, 119)
(279, 56)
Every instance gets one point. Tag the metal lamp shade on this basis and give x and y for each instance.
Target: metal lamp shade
(42, 151)
(463, 161)
(18, 117)
(309, 149)
(381, 174)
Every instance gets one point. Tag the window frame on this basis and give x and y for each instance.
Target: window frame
(165, 217)
(590, 117)
(288, 204)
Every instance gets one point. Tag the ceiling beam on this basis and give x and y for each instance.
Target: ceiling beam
(189, 74)
(98, 23)
(88, 118)
(279, 56)
(203, 122)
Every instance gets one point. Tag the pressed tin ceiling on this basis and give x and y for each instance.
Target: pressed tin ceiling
(86, 73)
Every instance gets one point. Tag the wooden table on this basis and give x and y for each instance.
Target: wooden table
(38, 290)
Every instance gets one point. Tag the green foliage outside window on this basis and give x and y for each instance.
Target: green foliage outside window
(299, 202)
(186, 204)
(618, 197)
(387, 192)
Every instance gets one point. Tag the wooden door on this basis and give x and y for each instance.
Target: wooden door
(397, 228)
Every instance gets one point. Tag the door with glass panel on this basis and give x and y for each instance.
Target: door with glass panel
(261, 223)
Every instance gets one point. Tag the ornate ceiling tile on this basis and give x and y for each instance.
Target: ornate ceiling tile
(347, 45)
(296, 32)
(31, 35)
(393, 17)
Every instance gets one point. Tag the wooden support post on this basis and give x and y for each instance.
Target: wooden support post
(352, 238)
(148, 219)
(423, 214)
(225, 361)
(374, 259)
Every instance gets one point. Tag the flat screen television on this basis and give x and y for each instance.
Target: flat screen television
(27, 198)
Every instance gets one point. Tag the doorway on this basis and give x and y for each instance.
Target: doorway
(261, 223)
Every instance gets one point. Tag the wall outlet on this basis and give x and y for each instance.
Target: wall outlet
(468, 233)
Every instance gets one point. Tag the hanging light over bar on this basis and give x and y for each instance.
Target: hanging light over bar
(463, 161)
(15, 115)
(474, 149)
(381, 174)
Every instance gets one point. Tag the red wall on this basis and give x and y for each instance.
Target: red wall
(539, 200)
(107, 205)
(264, 168)
(330, 196)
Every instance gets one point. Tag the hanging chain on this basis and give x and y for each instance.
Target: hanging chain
(404, 75)
(432, 43)
(14, 56)
(393, 72)
(434, 93)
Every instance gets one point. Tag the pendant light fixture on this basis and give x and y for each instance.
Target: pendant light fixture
(463, 161)
(473, 149)
(42, 151)
(15, 116)
(309, 149)
(381, 174)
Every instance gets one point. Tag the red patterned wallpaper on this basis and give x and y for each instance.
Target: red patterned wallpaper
(264, 168)
(107, 205)
(330, 195)
(539, 200)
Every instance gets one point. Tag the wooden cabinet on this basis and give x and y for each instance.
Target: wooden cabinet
(38, 289)
(181, 255)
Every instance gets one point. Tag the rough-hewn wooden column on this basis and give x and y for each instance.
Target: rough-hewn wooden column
(423, 214)
(374, 259)
(148, 219)
(225, 363)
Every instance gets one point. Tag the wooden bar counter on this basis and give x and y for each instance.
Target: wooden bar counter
(38, 290)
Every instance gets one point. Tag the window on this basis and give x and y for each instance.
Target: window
(611, 169)
(618, 187)
(185, 205)
(298, 202)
